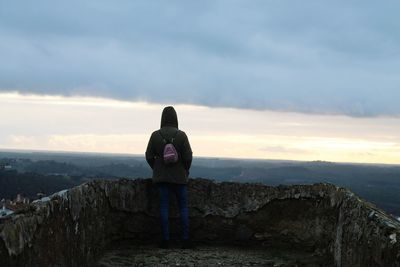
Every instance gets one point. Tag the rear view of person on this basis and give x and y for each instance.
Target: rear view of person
(169, 155)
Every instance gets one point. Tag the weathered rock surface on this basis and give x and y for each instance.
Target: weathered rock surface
(206, 255)
(74, 227)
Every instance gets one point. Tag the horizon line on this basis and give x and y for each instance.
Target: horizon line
(12, 150)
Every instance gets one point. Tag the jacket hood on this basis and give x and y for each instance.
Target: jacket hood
(169, 117)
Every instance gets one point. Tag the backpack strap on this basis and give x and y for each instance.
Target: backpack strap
(159, 132)
(173, 138)
(165, 141)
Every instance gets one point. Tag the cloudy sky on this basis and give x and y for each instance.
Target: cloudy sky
(303, 80)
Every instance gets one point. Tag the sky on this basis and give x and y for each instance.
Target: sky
(314, 80)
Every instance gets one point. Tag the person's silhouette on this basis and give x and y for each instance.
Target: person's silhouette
(170, 171)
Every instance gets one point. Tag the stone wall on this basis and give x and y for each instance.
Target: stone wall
(72, 227)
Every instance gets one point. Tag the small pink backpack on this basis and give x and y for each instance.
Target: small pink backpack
(170, 154)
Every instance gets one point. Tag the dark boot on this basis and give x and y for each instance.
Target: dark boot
(187, 244)
(164, 244)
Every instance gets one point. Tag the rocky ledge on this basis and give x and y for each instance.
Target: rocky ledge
(207, 255)
(77, 227)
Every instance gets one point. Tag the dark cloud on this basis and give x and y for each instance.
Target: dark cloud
(339, 57)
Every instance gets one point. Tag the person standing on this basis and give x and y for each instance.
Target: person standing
(170, 156)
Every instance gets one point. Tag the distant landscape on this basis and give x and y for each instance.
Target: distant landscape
(32, 172)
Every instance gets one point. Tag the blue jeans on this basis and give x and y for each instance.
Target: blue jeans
(180, 191)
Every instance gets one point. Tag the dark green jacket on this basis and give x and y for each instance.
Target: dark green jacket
(174, 173)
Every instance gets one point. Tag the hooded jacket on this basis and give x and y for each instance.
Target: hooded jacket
(174, 173)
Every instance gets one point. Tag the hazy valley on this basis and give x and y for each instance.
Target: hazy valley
(29, 173)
